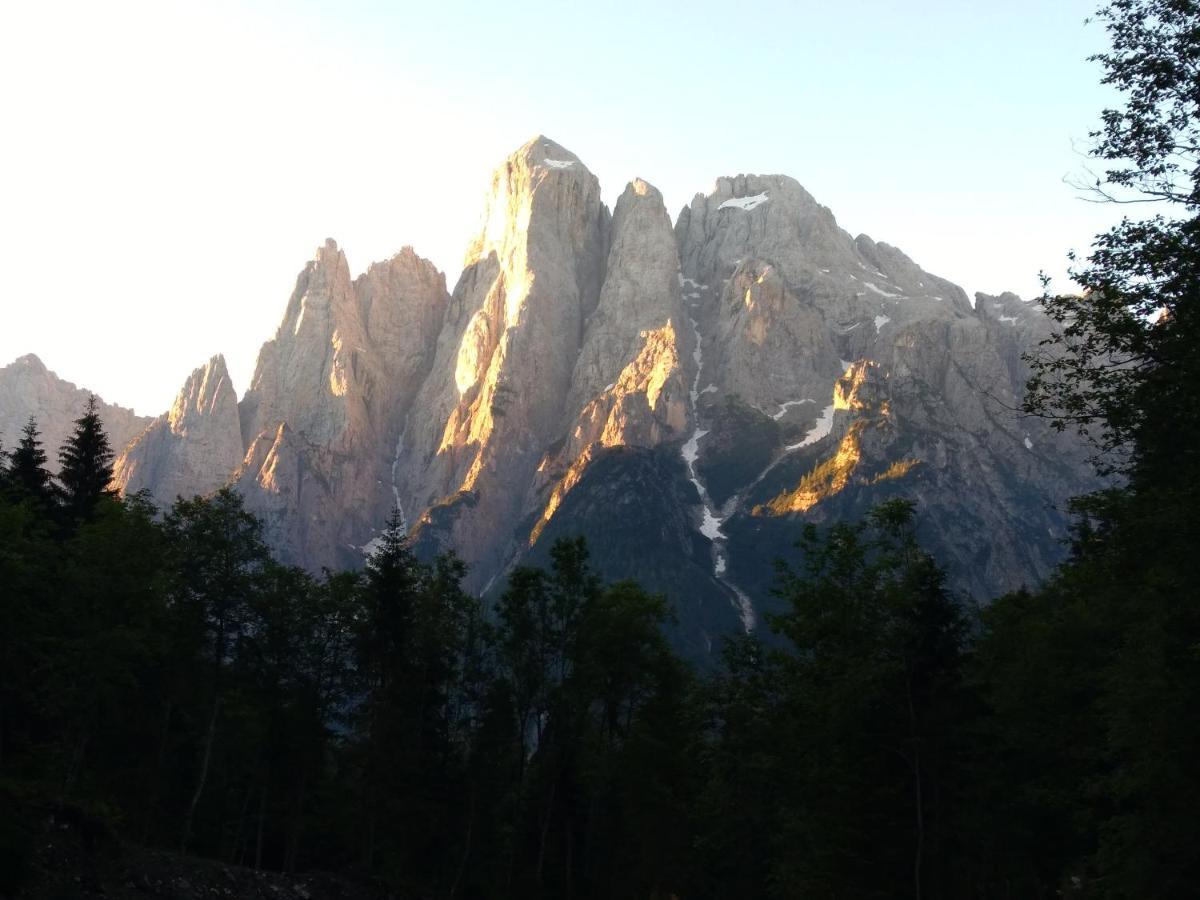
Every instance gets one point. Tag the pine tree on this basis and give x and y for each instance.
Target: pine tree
(86, 462)
(27, 475)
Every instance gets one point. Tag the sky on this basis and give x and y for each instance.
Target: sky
(166, 169)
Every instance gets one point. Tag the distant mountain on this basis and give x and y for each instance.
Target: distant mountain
(683, 394)
(29, 389)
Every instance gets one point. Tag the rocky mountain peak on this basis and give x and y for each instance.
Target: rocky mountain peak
(193, 448)
(678, 393)
(1009, 309)
(206, 389)
(31, 362)
(540, 150)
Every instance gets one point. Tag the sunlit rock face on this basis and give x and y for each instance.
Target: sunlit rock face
(684, 395)
(193, 448)
(322, 418)
(28, 388)
(497, 393)
(629, 386)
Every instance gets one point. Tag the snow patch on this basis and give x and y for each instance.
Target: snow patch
(1028, 443)
(710, 520)
(691, 448)
(710, 526)
(746, 203)
(711, 389)
(820, 429)
(1008, 320)
(880, 291)
(784, 407)
(560, 163)
(880, 321)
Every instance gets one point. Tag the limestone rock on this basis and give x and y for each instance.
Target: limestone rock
(28, 388)
(684, 396)
(193, 448)
(503, 369)
(786, 303)
(323, 416)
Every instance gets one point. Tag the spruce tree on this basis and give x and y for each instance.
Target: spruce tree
(86, 462)
(27, 476)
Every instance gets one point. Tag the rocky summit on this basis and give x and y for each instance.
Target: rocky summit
(684, 394)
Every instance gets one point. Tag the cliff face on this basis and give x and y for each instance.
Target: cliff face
(505, 356)
(322, 418)
(191, 449)
(682, 394)
(843, 374)
(28, 389)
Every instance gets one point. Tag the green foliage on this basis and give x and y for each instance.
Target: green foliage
(1091, 680)
(85, 463)
(1124, 361)
(26, 476)
(871, 703)
(165, 673)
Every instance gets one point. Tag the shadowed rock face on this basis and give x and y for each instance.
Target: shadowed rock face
(684, 395)
(920, 387)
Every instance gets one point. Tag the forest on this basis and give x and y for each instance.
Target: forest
(163, 676)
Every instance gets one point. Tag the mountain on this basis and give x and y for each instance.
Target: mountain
(322, 419)
(193, 448)
(685, 394)
(29, 389)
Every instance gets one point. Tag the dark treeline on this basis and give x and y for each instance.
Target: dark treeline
(164, 676)
(161, 674)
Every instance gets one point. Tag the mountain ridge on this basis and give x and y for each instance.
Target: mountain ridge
(751, 353)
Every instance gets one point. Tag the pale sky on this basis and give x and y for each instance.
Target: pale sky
(167, 168)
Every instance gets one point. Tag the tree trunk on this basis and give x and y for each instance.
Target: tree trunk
(237, 855)
(258, 837)
(292, 853)
(918, 799)
(462, 863)
(208, 745)
(541, 858)
(156, 779)
(570, 876)
(76, 762)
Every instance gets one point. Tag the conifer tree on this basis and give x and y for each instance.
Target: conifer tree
(27, 475)
(86, 462)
